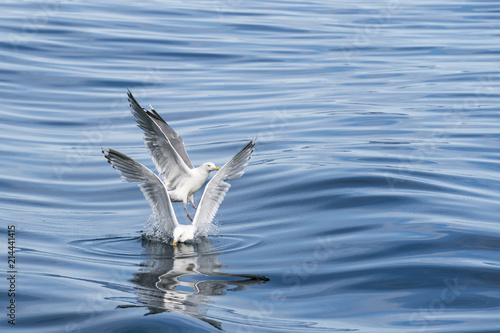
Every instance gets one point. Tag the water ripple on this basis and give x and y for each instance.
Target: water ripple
(370, 203)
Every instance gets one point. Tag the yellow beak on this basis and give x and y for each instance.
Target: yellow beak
(174, 243)
(217, 169)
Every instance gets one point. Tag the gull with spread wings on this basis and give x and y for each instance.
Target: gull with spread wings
(155, 192)
(169, 155)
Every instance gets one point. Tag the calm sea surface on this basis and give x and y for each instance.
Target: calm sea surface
(371, 203)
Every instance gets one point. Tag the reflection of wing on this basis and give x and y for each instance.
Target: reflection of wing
(184, 279)
(216, 189)
(166, 147)
(151, 186)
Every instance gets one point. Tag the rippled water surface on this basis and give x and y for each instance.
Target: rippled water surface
(370, 203)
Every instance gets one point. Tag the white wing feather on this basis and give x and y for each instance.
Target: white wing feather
(158, 136)
(151, 186)
(216, 189)
(172, 136)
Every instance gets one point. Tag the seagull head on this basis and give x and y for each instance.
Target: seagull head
(183, 233)
(209, 166)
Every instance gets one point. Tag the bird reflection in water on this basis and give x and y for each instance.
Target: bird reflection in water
(183, 278)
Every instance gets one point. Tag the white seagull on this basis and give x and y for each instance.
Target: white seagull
(169, 155)
(156, 193)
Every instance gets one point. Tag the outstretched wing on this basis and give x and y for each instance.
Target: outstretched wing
(164, 155)
(174, 138)
(216, 189)
(151, 186)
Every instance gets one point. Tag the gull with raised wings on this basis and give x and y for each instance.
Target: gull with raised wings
(155, 192)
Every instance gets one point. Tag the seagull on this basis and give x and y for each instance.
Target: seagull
(169, 155)
(156, 193)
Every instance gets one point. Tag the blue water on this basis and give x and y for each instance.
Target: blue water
(371, 202)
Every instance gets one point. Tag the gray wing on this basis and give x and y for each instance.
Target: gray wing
(151, 186)
(174, 138)
(216, 189)
(164, 155)
(144, 121)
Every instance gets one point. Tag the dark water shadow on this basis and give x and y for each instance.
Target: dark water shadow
(184, 278)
